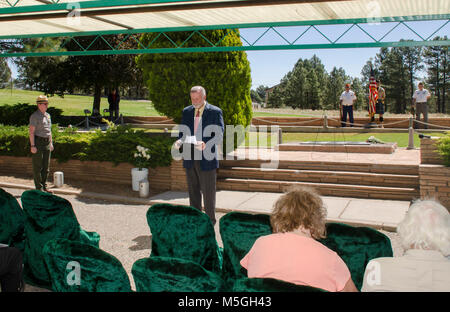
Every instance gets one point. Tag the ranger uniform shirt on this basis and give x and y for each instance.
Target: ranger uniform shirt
(42, 124)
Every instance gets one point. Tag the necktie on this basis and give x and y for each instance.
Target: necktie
(196, 121)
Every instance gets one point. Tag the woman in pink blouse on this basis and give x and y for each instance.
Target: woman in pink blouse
(292, 253)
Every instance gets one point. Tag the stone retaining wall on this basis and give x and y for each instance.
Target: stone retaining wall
(435, 183)
(428, 152)
(160, 178)
(434, 177)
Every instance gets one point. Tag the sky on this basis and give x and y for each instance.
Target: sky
(268, 67)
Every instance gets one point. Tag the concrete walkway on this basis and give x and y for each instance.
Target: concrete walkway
(375, 213)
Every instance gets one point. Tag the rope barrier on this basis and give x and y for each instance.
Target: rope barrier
(393, 123)
(430, 124)
(347, 123)
(155, 122)
(288, 123)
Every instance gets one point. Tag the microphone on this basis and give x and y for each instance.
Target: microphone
(424, 136)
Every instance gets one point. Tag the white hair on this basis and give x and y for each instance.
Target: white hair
(196, 89)
(426, 226)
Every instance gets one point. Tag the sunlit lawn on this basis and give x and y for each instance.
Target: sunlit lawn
(269, 140)
(74, 105)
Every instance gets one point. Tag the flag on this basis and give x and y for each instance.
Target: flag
(373, 93)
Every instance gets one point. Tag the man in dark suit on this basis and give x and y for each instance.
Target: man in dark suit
(113, 100)
(201, 129)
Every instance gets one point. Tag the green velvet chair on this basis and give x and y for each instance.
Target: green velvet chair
(48, 217)
(12, 221)
(163, 274)
(269, 285)
(239, 232)
(79, 267)
(184, 232)
(355, 245)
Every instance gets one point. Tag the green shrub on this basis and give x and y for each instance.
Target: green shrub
(19, 114)
(443, 146)
(117, 145)
(225, 75)
(14, 141)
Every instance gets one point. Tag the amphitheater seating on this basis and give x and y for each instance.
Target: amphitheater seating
(161, 274)
(12, 221)
(355, 245)
(78, 267)
(184, 232)
(48, 217)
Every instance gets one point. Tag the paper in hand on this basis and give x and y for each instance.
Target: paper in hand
(191, 139)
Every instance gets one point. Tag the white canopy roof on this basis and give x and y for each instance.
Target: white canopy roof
(44, 17)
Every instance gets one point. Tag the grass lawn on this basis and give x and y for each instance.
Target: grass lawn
(270, 141)
(400, 138)
(74, 105)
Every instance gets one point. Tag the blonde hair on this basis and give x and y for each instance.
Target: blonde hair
(300, 206)
(426, 226)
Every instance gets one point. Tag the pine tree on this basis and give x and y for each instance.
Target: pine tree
(437, 59)
(336, 83)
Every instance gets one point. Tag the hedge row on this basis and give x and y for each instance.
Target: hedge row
(117, 145)
(19, 114)
(443, 146)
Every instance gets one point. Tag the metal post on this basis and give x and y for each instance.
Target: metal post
(86, 123)
(280, 136)
(410, 138)
(325, 121)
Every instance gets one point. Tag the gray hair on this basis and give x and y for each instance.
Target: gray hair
(196, 89)
(426, 226)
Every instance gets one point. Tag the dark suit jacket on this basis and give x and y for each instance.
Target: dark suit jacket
(113, 104)
(212, 115)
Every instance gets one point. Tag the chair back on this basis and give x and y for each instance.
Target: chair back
(48, 217)
(79, 267)
(270, 285)
(163, 274)
(12, 220)
(183, 232)
(357, 246)
(239, 232)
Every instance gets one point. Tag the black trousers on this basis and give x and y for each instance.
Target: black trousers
(10, 269)
(113, 113)
(202, 183)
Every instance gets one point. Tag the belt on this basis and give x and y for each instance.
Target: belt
(421, 102)
(42, 138)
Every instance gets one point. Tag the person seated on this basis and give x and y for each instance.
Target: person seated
(425, 237)
(11, 269)
(292, 253)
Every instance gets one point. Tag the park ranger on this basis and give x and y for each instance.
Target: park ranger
(41, 143)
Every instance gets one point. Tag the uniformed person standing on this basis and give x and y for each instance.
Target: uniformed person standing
(380, 106)
(41, 142)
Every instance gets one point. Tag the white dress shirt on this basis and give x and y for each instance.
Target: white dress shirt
(347, 98)
(421, 95)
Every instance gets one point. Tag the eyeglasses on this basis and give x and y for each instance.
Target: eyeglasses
(43, 103)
